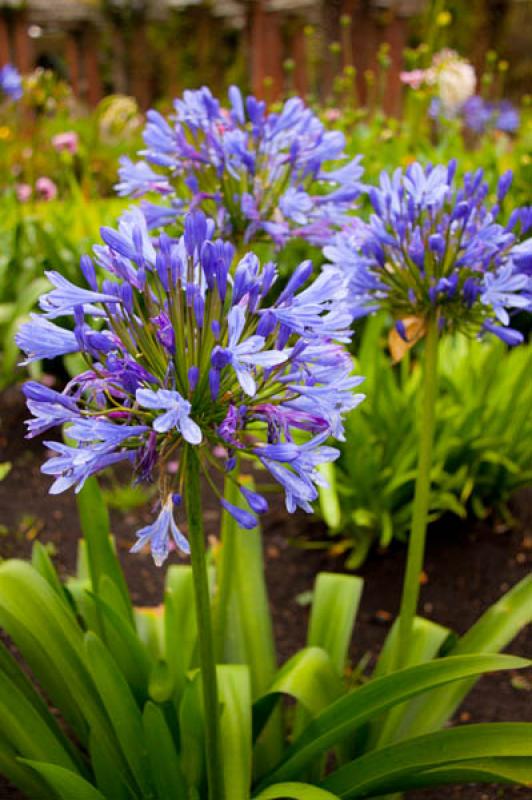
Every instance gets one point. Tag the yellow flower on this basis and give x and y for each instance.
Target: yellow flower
(5, 133)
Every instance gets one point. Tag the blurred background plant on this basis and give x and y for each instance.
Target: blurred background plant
(482, 450)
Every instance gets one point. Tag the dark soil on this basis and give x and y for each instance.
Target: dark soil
(467, 568)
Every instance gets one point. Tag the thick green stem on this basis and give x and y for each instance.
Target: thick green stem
(203, 612)
(416, 543)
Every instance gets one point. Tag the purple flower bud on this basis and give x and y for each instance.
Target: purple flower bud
(199, 309)
(195, 231)
(460, 211)
(256, 501)
(471, 291)
(401, 330)
(214, 382)
(220, 357)
(451, 170)
(437, 243)
(509, 336)
(89, 273)
(266, 324)
(215, 327)
(503, 187)
(193, 377)
(299, 277)
(244, 518)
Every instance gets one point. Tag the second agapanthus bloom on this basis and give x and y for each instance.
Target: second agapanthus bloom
(185, 349)
(435, 247)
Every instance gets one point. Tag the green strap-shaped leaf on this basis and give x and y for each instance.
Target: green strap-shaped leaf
(491, 633)
(328, 496)
(123, 713)
(383, 770)
(180, 625)
(42, 562)
(308, 677)
(334, 610)
(344, 716)
(162, 755)
(47, 634)
(294, 791)
(126, 648)
(427, 640)
(30, 729)
(67, 785)
(242, 618)
(102, 558)
(513, 770)
(20, 775)
(234, 689)
(191, 728)
(112, 782)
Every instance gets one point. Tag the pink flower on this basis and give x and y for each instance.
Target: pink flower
(414, 78)
(67, 141)
(332, 114)
(46, 188)
(23, 192)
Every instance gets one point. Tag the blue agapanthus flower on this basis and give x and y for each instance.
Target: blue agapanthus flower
(10, 82)
(257, 173)
(480, 115)
(433, 246)
(185, 349)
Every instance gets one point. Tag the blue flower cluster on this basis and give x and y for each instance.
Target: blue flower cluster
(432, 247)
(184, 350)
(255, 172)
(480, 115)
(10, 82)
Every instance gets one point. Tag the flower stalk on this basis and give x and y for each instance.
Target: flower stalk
(416, 543)
(205, 636)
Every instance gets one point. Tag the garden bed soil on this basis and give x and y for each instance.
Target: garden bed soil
(468, 566)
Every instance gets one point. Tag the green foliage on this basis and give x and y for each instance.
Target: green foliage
(483, 441)
(46, 237)
(126, 685)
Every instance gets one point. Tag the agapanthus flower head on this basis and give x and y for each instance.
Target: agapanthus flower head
(257, 173)
(185, 350)
(10, 82)
(481, 115)
(434, 246)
